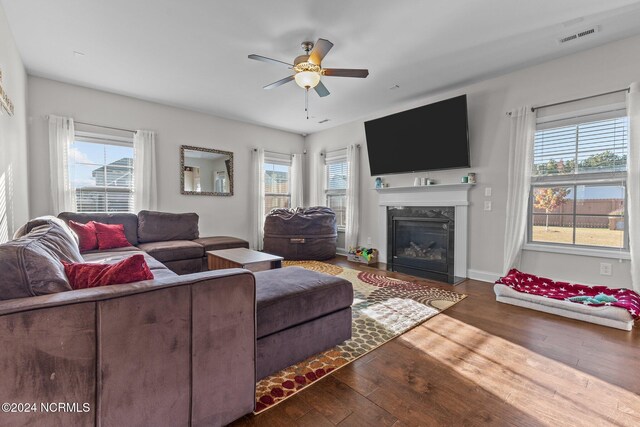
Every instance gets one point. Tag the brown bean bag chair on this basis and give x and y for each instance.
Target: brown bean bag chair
(301, 234)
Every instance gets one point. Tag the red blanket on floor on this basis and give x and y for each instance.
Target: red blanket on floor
(530, 284)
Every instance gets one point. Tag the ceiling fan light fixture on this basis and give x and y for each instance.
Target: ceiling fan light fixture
(307, 74)
(307, 79)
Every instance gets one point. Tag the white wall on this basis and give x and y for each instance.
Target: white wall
(218, 215)
(598, 70)
(14, 202)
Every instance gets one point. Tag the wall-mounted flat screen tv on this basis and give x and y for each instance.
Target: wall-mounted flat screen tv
(431, 137)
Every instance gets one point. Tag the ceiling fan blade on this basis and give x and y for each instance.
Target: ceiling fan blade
(320, 49)
(279, 82)
(321, 90)
(271, 60)
(345, 72)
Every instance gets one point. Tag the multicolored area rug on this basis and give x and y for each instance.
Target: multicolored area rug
(383, 308)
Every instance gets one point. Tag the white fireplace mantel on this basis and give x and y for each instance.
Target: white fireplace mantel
(440, 195)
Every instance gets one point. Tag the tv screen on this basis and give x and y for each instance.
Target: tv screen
(430, 137)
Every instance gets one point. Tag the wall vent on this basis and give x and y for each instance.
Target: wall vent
(579, 34)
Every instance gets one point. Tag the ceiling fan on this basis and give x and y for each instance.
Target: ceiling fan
(308, 68)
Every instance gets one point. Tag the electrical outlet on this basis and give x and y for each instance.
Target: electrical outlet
(369, 242)
(487, 205)
(487, 192)
(605, 269)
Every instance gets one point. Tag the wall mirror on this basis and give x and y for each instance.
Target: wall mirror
(206, 171)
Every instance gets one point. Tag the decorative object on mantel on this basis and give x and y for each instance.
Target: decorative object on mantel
(465, 179)
(378, 182)
(472, 177)
(5, 101)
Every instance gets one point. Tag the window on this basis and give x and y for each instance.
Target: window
(336, 186)
(578, 191)
(101, 173)
(277, 181)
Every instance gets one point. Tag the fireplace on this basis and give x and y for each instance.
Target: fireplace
(420, 241)
(449, 201)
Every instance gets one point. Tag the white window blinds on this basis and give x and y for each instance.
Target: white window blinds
(337, 176)
(596, 144)
(101, 172)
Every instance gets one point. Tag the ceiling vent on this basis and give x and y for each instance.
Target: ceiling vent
(579, 35)
(323, 121)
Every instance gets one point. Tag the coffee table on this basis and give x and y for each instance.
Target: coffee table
(242, 258)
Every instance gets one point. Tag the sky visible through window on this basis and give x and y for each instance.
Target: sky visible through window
(86, 157)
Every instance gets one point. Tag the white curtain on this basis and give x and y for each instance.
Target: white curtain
(257, 167)
(297, 180)
(61, 136)
(317, 179)
(353, 195)
(521, 135)
(145, 191)
(633, 182)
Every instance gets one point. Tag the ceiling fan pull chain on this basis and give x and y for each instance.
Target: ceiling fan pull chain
(306, 101)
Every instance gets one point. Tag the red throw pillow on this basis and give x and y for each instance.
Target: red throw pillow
(132, 269)
(87, 240)
(111, 236)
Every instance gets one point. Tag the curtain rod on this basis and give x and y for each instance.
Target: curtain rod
(104, 127)
(322, 153)
(98, 126)
(576, 99)
(283, 154)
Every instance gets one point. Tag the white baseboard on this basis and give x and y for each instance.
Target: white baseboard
(483, 276)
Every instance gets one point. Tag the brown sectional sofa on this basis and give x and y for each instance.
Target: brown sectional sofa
(175, 350)
(172, 239)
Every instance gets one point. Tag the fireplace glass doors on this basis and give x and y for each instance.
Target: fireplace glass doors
(421, 241)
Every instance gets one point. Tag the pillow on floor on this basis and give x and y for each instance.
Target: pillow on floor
(129, 270)
(111, 236)
(87, 239)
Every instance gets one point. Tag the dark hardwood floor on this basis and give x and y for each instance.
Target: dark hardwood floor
(479, 362)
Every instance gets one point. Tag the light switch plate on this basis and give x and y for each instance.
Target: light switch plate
(487, 192)
(487, 205)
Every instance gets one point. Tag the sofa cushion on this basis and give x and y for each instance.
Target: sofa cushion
(221, 242)
(129, 220)
(186, 266)
(31, 265)
(173, 250)
(91, 275)
(110, 236)
(287, 297)
(163, 226)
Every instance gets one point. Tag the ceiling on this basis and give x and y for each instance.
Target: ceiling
(193, 54)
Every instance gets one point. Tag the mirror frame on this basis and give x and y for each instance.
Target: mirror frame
(206, 150)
